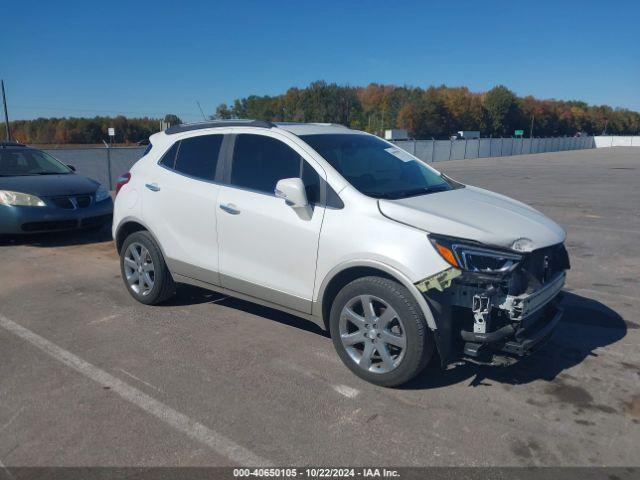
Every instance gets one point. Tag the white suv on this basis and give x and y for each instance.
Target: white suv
(399, 262)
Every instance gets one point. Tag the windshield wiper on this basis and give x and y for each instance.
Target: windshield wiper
(424, 190)
(47, 173)
(380, 194)
(408, 193)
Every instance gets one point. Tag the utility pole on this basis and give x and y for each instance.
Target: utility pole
(531, 132)
(6, 114)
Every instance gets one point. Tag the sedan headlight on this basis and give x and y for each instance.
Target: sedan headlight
(474, 257)
(102, 193)
(18, 199)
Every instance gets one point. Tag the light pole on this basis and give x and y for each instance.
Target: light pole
(6, 114)
(531, 132)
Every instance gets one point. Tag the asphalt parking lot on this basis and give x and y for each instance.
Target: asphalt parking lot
(90, 377)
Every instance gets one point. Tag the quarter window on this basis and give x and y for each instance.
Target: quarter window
(198, 156)
(169, 158)
(311, 181)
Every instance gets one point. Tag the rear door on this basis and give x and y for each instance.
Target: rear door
(268, 249)
(179, 205)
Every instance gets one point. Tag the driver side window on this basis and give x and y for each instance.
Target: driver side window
(259, 162)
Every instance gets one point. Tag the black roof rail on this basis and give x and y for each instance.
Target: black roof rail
(11, 144)
(186, 127)
(319, 124)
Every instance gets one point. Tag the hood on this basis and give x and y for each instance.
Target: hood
(475, 214)
(49, 185)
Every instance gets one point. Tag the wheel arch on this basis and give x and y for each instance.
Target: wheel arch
(131, 225)
(345, 273)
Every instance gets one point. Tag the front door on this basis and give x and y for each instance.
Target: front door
(268, 249)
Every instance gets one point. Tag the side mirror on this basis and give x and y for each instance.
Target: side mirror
(71, 167)
(292, 191)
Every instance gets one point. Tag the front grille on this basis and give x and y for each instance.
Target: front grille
(52, 225)
(83, 201)
(71, 202)
(63, 202)
(95, 221)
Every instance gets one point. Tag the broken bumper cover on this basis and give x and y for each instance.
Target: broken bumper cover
(526, 340)
(533, 316)
(512, 340)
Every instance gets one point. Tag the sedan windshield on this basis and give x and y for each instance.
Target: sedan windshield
(376, 168)
(26, 161)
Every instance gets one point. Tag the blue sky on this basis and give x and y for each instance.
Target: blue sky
(154, 57)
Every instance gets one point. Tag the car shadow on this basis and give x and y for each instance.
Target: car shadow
(191, 295)
(586, 325)
(59, 239)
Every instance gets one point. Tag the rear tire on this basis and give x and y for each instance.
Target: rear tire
(380, 332)
(144, 271)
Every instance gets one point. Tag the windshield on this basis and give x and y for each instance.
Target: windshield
(25, 161)
(376, 168)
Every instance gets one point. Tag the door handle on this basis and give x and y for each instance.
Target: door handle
(230, 208)
(153, 187)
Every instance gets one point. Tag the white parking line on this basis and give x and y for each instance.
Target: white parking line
(140, 380)
(9, 474)
(104, 319)
(177, 420)
(345, 390)
(13, 417)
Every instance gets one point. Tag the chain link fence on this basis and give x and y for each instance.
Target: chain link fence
(102, 164)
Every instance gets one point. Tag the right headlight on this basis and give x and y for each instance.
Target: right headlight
(18, 199)
(102, 193)
(474, 257)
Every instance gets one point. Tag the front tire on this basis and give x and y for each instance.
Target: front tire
(144, 270)
(380, 332)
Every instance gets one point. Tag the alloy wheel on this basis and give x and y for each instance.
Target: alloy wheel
(139, 269)
(372, 334)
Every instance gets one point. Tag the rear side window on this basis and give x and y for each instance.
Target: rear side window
(260, 161)
(196, 156)
(169, 158)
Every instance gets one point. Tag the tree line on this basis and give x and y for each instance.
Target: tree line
(85, 130)
(433, 112)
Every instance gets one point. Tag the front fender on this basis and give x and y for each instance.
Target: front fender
(378, 265)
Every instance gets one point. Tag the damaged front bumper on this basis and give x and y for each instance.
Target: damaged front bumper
(479, 320)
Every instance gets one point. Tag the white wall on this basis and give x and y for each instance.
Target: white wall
(442, 150)
(617, 141)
